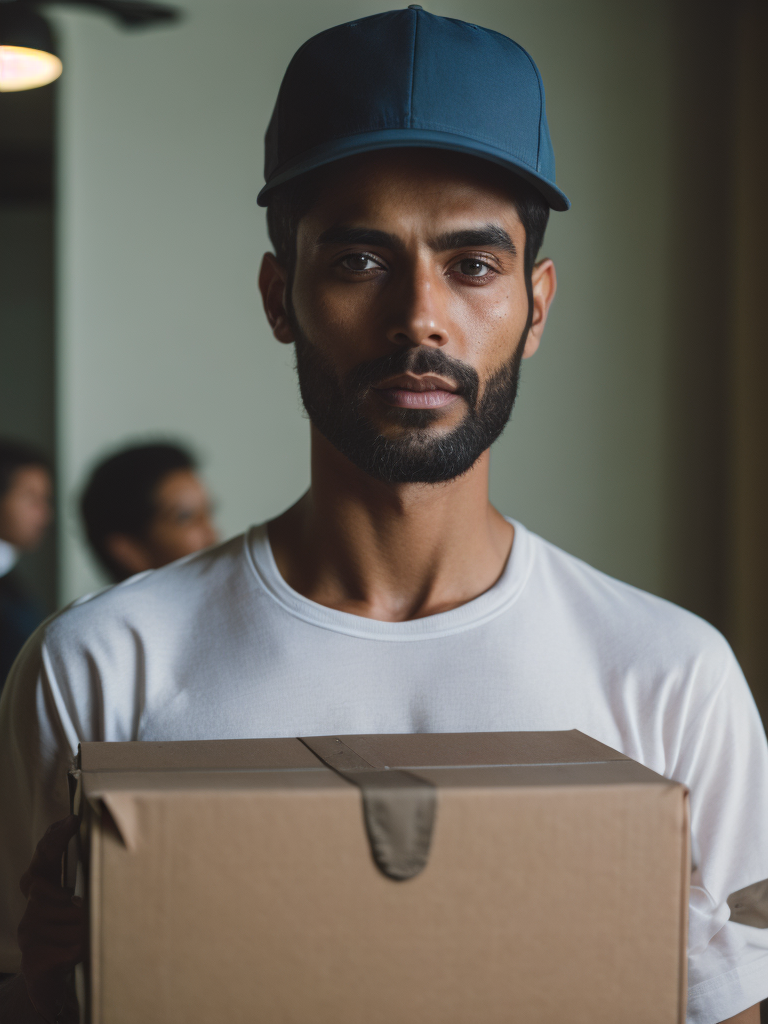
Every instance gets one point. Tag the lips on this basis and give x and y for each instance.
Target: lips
(423, 392)
(426, 382)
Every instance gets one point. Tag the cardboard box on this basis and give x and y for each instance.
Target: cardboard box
(477, 878)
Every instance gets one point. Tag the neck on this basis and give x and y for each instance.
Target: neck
(390, 551)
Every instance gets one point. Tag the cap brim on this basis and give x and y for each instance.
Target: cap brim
(399, 138)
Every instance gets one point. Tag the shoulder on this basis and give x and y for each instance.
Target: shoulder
(149, 602)
(627, 622)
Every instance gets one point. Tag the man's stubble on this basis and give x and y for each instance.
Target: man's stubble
(419, 455)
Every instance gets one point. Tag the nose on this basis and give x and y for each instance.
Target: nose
(419, 316)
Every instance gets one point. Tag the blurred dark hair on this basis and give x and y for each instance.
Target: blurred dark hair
(15, 455)
(120, 495)
(292, 201)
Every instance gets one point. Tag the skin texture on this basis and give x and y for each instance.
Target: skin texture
(386, 551)
(25, 508)
(402, 551)
(182, 524)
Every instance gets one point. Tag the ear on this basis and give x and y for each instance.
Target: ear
(544, 282)
(272, 283)
(129, 553)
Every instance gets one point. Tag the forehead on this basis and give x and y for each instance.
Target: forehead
(31, 476)
(423, 186)
(178, 483)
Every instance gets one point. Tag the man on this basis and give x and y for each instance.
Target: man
(25, 514)
(144, 507)
(409, 181)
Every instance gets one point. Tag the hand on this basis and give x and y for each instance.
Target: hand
(52, 934)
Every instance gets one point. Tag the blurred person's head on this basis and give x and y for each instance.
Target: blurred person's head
(144, 507)
(25, 495)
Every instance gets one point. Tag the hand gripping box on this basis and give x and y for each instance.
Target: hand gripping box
(478, 878)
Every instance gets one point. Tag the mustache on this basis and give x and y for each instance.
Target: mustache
(419, 360)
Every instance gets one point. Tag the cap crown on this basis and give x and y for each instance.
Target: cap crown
(408, 77)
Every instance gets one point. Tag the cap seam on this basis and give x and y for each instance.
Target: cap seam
(540, 86)
(413, 68)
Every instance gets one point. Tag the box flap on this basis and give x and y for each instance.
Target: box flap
(396, 774)
(396, 750)
(281, 753)
(454, 750)
(594, 773)
(122, 793)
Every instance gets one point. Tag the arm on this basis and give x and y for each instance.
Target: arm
(52, 933)
(37, 741)
(52, 937)
(723, 758)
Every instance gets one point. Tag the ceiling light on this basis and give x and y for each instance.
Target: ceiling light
(24, 68)
(28, 56)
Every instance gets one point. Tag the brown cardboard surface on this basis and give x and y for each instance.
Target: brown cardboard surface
(553, 892)
(395, 750)
(412, 750)
(207, 754)
(602, 773)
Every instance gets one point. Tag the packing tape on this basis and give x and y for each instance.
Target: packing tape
(398, 807)
(750, 905)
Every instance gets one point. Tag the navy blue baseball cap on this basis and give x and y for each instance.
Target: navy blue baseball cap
(410, 78)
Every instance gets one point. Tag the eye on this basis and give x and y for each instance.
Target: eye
(360, 262)
(473, 268)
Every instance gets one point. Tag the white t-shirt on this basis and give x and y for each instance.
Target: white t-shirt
(219, 646)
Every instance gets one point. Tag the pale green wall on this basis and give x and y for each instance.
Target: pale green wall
(161, 331)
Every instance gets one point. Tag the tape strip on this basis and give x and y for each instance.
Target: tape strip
(750, 905)
(398, 807)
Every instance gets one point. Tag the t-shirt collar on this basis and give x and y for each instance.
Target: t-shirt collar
(474, 613)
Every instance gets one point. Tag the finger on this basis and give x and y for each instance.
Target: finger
(42, 891)
(40, 915)
(46, 861)
(50, 937)
(57, 916)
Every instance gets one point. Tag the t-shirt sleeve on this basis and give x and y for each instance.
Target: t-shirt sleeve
(724, 762)
(37, 744)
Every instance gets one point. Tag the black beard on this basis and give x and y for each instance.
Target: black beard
(334, 406)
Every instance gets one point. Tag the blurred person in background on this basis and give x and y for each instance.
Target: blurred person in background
(144, 507)
(25, 514)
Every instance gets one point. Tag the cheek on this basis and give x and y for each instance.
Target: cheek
(15, 513)
(183, 539)
(337, 320)
(492, 321)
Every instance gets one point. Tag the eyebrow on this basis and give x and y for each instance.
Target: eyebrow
(490, 236)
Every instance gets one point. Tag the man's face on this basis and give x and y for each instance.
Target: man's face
(183, 519)
(25, 509)
(409, 312)
(182, 524)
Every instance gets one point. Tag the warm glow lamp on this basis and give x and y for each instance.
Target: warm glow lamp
(27, 55)
(27, 51)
